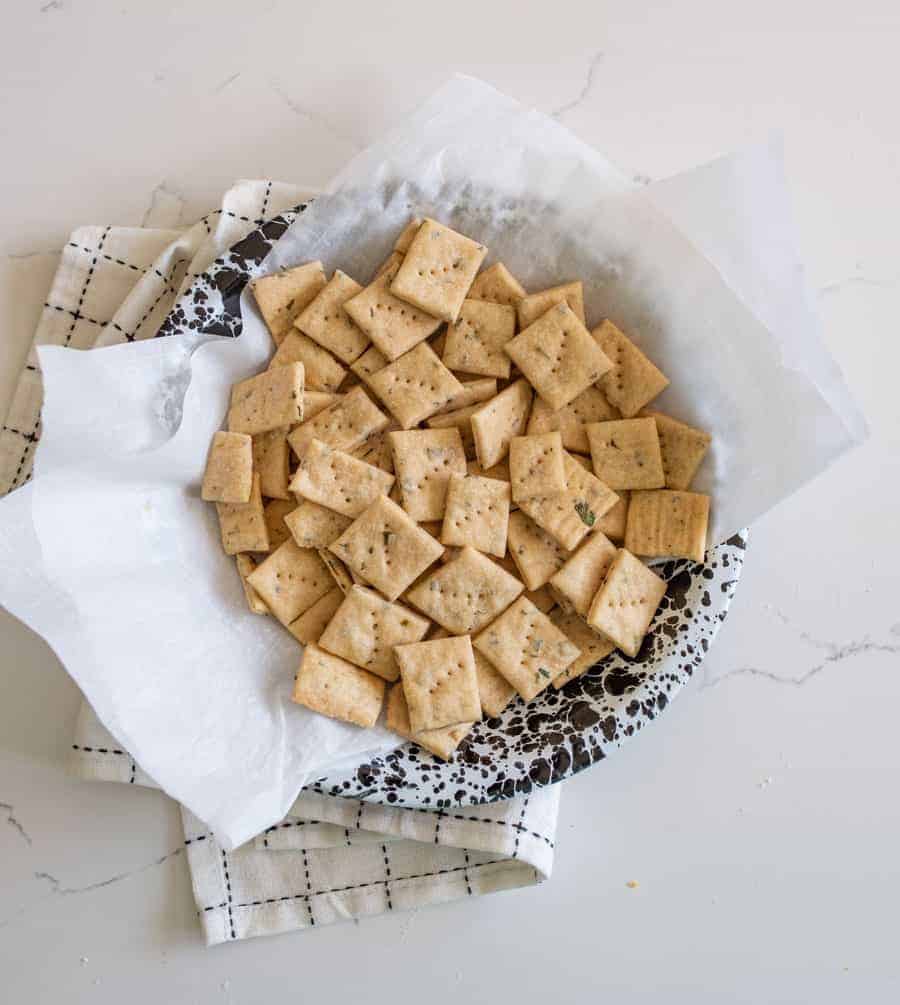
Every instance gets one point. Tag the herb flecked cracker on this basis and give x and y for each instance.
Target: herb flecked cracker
(476, 339)
(315, 526)
(344, 425)
(536, 465)
(440, 742)
(526, 648)
(594, 646)
(415, 386)
(366, 627)
(243, 525)
(633, 380)
(624, 606)
(439, 682)
(283, 295)
(497, 422)
(577, 582)
(424, 460)
(497, 285)
(536, 554)
(270, 400)
(229, 469)
(667, 524)
(322, 371)
(290, 581)
(386, 548)
(533, 306)
(682, 448)
(465, 594)
(334, 687)
(338, 481)
(477, 514)
(625, 453)
(325, 321)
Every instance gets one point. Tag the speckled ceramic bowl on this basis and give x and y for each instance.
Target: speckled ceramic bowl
(560, 732)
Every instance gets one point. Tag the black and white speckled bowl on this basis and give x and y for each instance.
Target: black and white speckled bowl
(560, 732)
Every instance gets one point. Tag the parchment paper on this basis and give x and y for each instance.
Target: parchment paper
(111, 556)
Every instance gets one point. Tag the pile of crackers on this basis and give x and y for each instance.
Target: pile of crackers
(445, 484)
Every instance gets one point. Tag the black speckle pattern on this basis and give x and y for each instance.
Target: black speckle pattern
(559, 733)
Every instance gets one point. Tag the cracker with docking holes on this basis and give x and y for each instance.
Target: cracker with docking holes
(533, 306)
(290, 581)
(326, 322)
(497, 285)
(332, 686)
(283, 295)
(440, 742)
(625, 453)
(415, 386)
(633, 380)
(476, 339)
(344, 425)
(322, 371)
(667, 524)
(338, 481)
(536, 465)
(477, 514)
(439, 682)
(625, 604)
(270, 400)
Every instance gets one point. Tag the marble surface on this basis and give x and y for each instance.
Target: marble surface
(759, 817)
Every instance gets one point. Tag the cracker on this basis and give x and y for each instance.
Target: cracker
(371, 361)
(526, 648)
(590, 406)
(345, 425)
(494, 690)
(476, 339)
(393, 325)
(533, 306)
(246, 565)
(406, 236)
(438, 270)
(626, 602)
(465, 594)
(290, 581)
(577, 582)
(612, 523)
(473, 392)
(315, 526)
(229, 469)
(366, 627)
(536, 465)
(342, 578)
(461, 420)
(386, 548)
(376, 451)
(334, 479)
(682, 449)
(243, 525)
(311, 623)
(477, 514)
(283, 295)
(497, 285)
(571, 515)
(271, 458)
(424, 460)
(633, 380)
(274, 513)
(317, 401)
(626, 454)
(326, 322)
(536, 554)
(668, 524)
(558, 356)
(331, 686)
(322, 371)
(440, 742)
(415, 386)
(439, 682)
(270, 400)
(594, 646)
(497, 422)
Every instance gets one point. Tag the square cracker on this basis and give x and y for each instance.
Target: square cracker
(267, 401)
(229, 469)
(577, 582)
(626, 602)
(473, 392)
(274, 513)
(536, 465)
(283, 295)
(668, 524)
(424, 460)
(497, 422)
(461, 420)
(309, 626)
(438, 270)
(497, 285)
(271, 458)
(625, 453)
(613, 521)
(594, 646)
(536, 554)
(477, 514)
(465, 594)
(633, 379)
(315, 526)
(440, 742)
(682, 448)
(494, 690)
(325, 321)
(533, 306)
(439, 682)
(345, 425)
(571, 515)
(371, 361)
(392, 325)
(476, 339)
(290, 581)
(405, 238)
(415, 386)
(590, 406)
(322, 371)
(366, 627)
(246, 565)
(338, 481)
(558, 356)
(526, 648)
(243, 525)
(386, 548)
(333, 687)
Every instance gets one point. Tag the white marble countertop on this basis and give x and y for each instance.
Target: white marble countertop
(760, 815)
